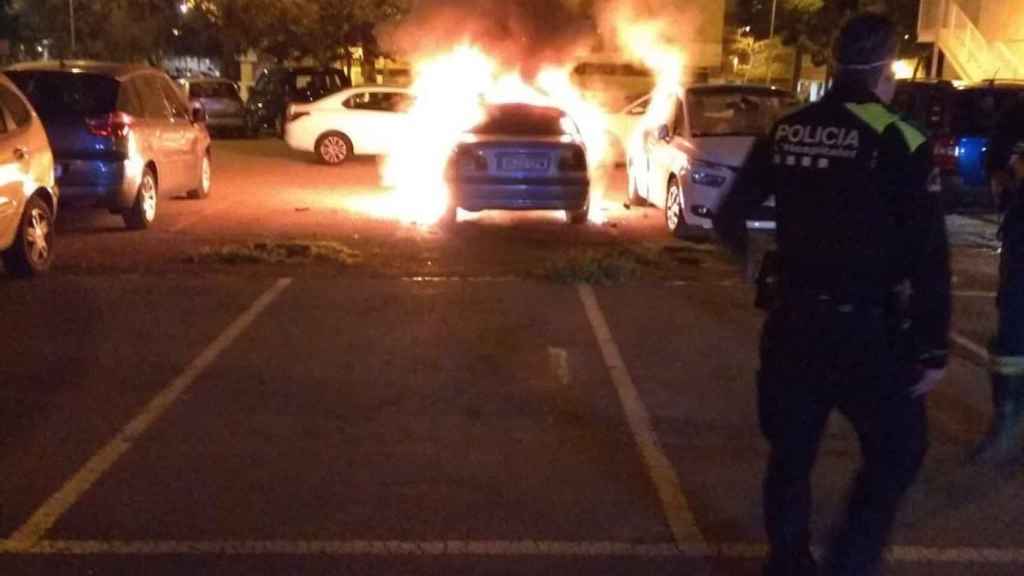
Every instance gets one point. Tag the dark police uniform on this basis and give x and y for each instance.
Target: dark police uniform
(864, 305)
(1008, 345)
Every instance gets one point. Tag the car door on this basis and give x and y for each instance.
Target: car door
(12, 177)
(159, 133)
(361, 119)
(181, 137)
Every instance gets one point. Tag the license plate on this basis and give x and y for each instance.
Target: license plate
(525, 163)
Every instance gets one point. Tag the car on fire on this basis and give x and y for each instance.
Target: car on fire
(688, 157)
(366, 121)
(520, 157)
(122, 134)
(28, 196)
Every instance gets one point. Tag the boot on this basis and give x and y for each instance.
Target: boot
(1003, 440)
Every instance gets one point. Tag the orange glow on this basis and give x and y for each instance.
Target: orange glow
(451, 90)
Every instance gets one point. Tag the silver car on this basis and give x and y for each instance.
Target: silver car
(219, 98)
(688, 157)
(28, 196)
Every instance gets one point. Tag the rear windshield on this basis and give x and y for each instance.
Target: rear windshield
(522, 120)
(977, 111)
(67, 93)
(212, 90)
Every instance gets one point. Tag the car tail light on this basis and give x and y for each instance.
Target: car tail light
(572, 160)
(117, 125)
(470, 161)
(945, 152)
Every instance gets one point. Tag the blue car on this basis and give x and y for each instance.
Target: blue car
(122, 135)
(521, 157)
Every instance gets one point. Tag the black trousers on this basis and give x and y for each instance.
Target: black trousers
(814, 360)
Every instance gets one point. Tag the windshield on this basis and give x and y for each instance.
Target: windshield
(55, 94)
(523, 120)
(212, 90)
(735, 113)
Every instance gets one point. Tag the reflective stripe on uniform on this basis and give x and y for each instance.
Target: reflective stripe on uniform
(1008, 365)
(880, 118)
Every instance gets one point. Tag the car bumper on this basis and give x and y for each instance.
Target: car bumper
(475, 196)
(225, 122)
(107, 183)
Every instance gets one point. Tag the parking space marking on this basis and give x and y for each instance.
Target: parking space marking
(35, 528)
(974, 294)
(478, 548)
(666, 481)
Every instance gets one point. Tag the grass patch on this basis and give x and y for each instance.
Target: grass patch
(279, 253)
(602, 266)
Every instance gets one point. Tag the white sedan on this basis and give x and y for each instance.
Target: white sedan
(686, 160)
(366, 120)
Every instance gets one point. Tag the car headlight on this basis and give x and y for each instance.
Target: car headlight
(705, 176)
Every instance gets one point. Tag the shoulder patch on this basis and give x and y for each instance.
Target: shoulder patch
(880, 118)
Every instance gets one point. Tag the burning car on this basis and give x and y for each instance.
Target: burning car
(520, 157)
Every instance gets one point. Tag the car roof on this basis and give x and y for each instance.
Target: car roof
(1009, 85)
(112, 69)
(303, 69)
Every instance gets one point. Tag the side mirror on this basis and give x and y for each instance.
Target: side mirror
(663, 133)
(198, 115)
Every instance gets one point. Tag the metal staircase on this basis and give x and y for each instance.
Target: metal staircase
(974, 57)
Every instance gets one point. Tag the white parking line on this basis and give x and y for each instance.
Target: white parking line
(50, 512)
(673, 502)
(559, 360)
(493, 548)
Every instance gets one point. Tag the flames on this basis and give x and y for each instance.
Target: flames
(452, 88)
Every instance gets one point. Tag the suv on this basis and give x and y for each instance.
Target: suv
(277, 88)
(120, 134)
(28, 197)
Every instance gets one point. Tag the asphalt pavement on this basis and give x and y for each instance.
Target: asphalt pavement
(279, 381)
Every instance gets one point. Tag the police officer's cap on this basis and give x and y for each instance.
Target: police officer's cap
(866, 41)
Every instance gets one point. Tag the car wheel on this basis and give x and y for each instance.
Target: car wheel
(674, 215)
(578, 217)
(143, 212)
(205, 180)
(333, 148)
(633, 197)
(32, 251)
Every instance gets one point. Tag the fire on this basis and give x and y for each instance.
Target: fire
(452, 90)
(652, 43)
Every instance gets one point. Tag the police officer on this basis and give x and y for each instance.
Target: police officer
(862, 315)
(1006, 165)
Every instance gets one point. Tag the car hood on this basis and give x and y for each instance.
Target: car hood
(728, 151)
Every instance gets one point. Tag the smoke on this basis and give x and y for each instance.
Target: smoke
(522, 35)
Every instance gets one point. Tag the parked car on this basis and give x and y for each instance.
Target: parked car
(277, 88)
(365, 120)
(521, 157)
(219, 99)
(688, 160)
(121, 135)
(28, 195)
